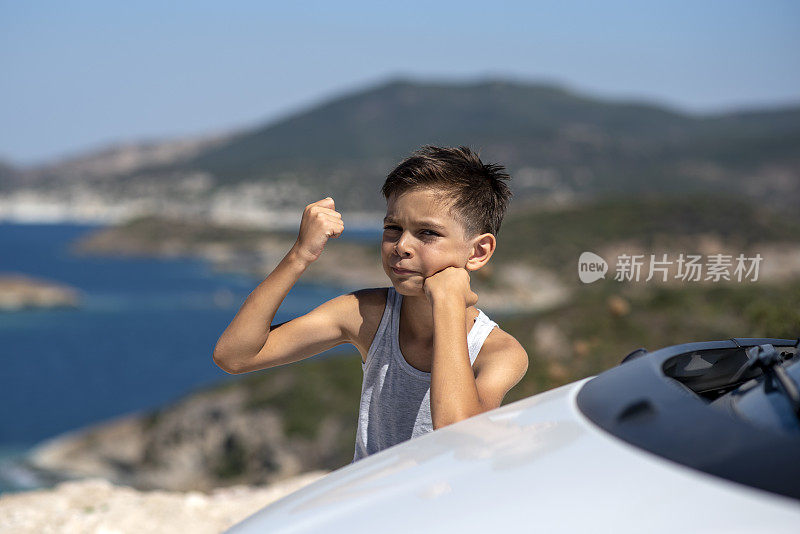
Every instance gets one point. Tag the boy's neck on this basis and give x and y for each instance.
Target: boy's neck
(416, 313)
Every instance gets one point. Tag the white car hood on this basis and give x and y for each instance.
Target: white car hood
(533, 465)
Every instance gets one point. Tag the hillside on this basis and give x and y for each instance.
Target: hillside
(557, 143)
(555, 238)
(554, 140)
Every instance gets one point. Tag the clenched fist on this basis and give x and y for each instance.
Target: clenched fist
(320, 222)
(450, 283)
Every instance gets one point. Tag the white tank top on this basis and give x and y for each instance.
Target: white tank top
(395, 396)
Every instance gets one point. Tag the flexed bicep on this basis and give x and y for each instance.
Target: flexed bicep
(322, 328)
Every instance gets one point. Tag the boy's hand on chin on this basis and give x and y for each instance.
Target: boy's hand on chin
(450, 283)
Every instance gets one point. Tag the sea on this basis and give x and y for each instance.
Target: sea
(142, 337)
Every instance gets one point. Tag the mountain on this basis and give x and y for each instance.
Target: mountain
(555, 142)
(552, 138)
(131, 157)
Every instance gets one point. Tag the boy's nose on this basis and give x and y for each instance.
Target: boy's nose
(401, 248)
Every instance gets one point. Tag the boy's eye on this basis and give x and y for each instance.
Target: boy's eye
(425, 233)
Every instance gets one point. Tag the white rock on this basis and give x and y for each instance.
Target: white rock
(97, 506)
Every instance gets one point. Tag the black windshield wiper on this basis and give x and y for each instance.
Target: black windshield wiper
(766, 358)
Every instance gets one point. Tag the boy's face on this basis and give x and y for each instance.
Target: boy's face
(419, 235)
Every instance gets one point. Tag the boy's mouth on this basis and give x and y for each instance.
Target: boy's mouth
(402, 271)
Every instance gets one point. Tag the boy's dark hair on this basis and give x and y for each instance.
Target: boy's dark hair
(478, 192)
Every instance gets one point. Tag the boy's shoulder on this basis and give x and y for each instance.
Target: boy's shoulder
(362, 313)
(372, 296)
(500, 365)
(500, 347)
(369, 301)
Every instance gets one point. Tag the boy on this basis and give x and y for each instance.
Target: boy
(430, 357)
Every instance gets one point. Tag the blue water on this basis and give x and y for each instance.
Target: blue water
(142, 337)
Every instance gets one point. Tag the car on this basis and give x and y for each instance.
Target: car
(697, 437)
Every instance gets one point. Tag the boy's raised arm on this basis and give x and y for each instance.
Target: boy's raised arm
(247, 343)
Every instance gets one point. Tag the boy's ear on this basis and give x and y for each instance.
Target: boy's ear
(482, 249)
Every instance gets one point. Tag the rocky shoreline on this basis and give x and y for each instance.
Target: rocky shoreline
(230, 248)
(502, 288)
(21, 291)
(199, 464)
(207, 440)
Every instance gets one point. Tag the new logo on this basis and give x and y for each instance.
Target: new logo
(591, 267)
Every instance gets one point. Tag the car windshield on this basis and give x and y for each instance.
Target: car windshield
(728, 408)
(756, 384)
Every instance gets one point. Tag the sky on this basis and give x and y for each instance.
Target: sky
(81, 75)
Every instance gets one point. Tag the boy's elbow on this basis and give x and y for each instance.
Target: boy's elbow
(224, 364)
(227, 369)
